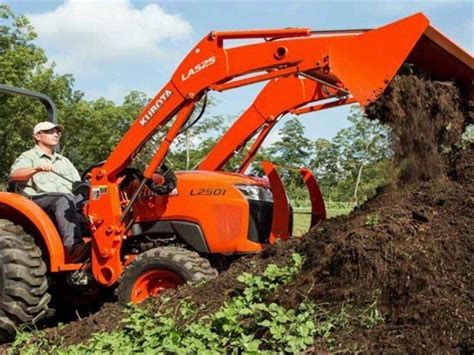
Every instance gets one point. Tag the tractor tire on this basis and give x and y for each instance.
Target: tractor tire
(23, 283)
(161, 268)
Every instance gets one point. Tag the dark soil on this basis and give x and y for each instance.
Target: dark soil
(426, 118)
(410, 248)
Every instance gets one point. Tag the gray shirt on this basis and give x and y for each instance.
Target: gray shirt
(45, 182)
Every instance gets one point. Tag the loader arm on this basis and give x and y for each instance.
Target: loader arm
(279, 97)
(289, 94)
(360, 64)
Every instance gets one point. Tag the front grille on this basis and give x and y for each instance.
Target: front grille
(260, 223)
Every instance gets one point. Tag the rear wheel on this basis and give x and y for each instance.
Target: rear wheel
(23, 282)
(161, 268)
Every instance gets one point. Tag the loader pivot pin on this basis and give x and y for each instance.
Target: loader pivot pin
(281, 52)
(151, 283)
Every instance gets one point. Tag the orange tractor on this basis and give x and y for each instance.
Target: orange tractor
(153, 229)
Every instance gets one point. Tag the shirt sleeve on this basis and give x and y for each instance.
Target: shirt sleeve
(23, 161)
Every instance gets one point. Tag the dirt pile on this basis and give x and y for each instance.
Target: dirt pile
(409, 250)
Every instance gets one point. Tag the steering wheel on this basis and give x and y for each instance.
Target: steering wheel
(131, 174)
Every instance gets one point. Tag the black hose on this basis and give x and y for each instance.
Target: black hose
(203, 108)
(168, 185)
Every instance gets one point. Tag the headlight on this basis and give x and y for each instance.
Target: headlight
(258, 193)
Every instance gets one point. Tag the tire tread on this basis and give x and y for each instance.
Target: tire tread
(24, 285)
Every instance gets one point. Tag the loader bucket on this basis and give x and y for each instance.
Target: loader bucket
(438, 56)
(366, 64)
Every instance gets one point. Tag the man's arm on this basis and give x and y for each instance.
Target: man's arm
(25, 174)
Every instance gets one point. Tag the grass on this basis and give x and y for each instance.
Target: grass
(302, 217)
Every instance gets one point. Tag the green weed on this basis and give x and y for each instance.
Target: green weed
(372, 219)
(244, 324)
(29, 341)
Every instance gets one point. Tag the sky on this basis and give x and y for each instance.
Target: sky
(115, 46)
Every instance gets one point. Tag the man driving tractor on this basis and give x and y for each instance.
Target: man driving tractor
(47, 178)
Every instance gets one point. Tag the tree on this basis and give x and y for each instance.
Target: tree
(292, 150)
(355, 162)
(364, 143)
(23, 64)
(325, 164)
(94, 128)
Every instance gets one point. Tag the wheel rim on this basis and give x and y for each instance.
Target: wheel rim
(151, 283)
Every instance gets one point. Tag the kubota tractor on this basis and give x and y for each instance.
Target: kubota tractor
(149, 233)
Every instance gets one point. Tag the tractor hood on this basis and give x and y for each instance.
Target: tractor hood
(221, 177)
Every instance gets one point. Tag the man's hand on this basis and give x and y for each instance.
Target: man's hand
(44, 168)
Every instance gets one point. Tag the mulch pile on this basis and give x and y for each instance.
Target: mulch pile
(410, 248)
(425, 117)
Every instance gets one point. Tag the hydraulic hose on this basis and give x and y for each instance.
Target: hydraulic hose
(168, 185)
(203, 109)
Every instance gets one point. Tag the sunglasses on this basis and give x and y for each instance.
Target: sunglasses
(52, 131)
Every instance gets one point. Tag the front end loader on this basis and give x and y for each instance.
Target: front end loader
(152, 229)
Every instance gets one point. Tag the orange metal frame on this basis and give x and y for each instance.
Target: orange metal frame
(359, 64)
(281, 210)
(318, 208)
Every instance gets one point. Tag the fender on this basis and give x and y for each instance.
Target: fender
(16, 207)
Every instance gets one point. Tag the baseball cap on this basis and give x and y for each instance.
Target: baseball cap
(45, 125)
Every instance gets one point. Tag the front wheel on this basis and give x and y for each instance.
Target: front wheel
(23, 282)
(161, 268)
